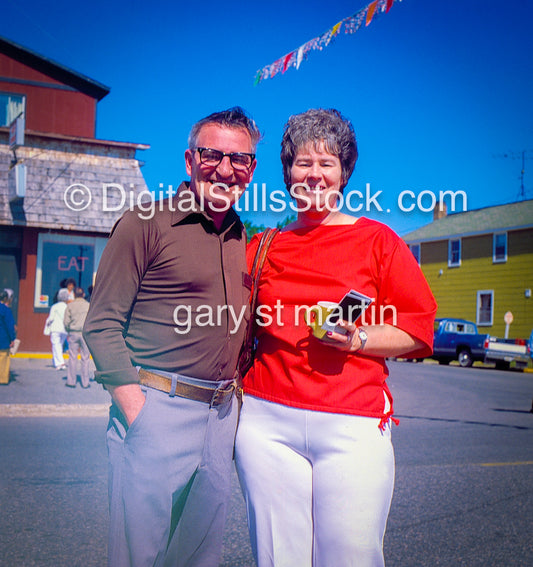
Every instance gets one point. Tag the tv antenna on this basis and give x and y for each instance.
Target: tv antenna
(523, 155)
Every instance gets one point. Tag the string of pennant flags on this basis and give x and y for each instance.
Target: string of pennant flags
(350, 25)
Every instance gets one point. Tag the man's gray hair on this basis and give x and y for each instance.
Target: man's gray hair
(235, 117)
(317, 126)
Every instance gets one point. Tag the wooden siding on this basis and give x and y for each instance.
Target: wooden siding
(50, 105)
(50, 171)
(456, 288)
(53, 167)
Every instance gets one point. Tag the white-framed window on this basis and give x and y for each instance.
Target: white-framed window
(499, 247)
(454, 252)
(485, 307)
(63, 256)
(11, 106)
(415, 249)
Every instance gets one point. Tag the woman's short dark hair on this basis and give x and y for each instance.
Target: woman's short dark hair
(234, 117)
(315, 126)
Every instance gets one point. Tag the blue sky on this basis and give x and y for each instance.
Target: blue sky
(439, 92)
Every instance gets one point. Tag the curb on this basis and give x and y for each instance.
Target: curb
(54, 410)
(37, 355)
(32, 355)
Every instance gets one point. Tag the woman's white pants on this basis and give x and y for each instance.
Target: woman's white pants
(317, 485)
(57, 339)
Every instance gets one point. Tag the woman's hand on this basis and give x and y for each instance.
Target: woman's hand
(349, 342)
(382, 340)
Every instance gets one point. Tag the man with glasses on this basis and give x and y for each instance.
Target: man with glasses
(162, 328)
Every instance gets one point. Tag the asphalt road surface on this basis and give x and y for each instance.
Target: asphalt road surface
(463, 495)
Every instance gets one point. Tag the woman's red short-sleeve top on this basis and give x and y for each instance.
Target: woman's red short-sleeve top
(305, 266)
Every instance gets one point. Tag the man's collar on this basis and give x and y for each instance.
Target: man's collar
(185, 206)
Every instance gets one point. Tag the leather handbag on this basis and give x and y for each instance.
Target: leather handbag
(247, 354)
(47, 327)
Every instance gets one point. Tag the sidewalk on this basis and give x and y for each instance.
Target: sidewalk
(37, 389)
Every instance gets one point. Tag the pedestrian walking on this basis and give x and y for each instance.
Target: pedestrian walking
(8, 333)
(55, 328)
(74, 319)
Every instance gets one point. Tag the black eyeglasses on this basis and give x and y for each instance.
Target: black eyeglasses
(212, 158)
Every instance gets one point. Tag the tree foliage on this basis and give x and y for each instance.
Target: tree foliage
(252, 229)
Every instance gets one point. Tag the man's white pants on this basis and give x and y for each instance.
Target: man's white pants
(317, 485)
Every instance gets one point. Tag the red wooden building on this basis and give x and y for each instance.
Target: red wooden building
(57, 99)
(44, 237)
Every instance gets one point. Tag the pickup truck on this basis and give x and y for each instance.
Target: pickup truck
(457, 339)
(504, 351)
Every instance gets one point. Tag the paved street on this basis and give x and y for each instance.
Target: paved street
(464, 454)
(464, 478)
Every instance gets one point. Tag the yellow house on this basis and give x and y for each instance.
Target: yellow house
(479, 265)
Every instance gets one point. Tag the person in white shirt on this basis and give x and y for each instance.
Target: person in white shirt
(56, 328)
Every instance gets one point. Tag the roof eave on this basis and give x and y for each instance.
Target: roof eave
(419, 240)
(94, 141)
(54, 70)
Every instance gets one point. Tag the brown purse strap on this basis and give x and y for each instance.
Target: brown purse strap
(261, 252)
(257, 268)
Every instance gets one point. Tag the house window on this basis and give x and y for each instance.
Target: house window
(61, 256)
(454, 252)
(499, 247)
(11, 105)
(415, 249)
(485, 307)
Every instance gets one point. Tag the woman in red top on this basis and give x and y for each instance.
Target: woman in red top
(313, 449)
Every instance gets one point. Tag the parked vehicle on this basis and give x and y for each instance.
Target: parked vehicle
(504, 351)
(457, 339)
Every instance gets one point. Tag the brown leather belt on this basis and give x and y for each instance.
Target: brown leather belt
(214, 396)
